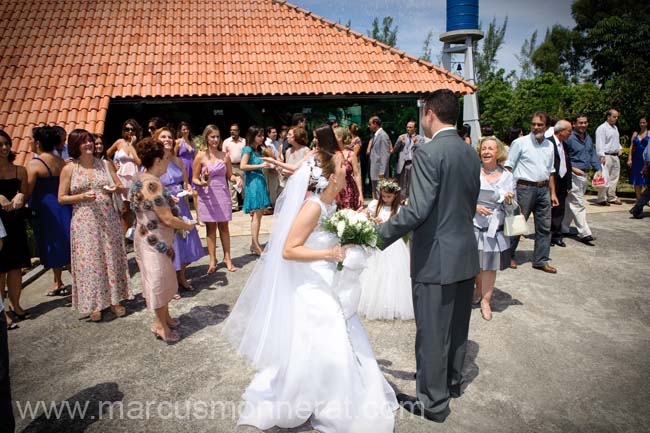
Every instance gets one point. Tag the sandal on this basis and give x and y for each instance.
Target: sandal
(59, 291)
(12, 326)
(118, 310)
(230, 266)
(173, 336)
(95, 316)
(20, 317)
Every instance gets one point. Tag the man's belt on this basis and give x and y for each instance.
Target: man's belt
(611, 153)
(529, 183)
(409, 162)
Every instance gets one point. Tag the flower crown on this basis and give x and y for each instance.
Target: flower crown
(389, 185)
(316, 178)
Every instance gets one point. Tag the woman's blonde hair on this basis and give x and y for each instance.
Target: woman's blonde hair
(343, 134)
(210, 129)
(502, 155)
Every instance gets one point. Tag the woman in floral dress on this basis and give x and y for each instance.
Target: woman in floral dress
(156, 218)
(98, 266)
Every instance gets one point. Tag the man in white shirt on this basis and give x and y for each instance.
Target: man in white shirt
(531, 159)
(233, 146)
(608, 148)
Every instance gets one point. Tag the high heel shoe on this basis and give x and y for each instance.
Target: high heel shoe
(256, 251)
(20, 317)
(173, 336)
(486, 311)
(118, 310)
(95, 316)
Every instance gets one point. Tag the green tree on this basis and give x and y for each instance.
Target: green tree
(613, 33)
(494, 95)
(387, 33)
(485, 58)
(426, 47)
(561, 53)
(525, 57)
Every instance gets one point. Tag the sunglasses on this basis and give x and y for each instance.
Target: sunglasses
(129, 129)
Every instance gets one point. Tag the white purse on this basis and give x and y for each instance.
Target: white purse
(515, 225)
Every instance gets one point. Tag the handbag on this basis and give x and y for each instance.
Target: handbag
(603, 182)
(116, 198)
(515, 225)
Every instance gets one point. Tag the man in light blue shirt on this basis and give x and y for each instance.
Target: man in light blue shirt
(637, 210)
(531, 161)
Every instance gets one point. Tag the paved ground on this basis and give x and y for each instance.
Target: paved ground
(564, 353)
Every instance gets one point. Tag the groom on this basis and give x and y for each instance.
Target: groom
(444, 256)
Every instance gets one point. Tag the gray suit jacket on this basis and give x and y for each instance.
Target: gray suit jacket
(380, 155)
(400, 148)
(445, 182)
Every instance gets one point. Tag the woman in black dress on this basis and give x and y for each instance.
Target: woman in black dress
(14, 255)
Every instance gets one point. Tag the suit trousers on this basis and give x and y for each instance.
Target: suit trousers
(405, 180)
(637, 210)
(575, 207)
(7, 422)
(557, 214)
(536, 200)
(442, 314)
(613, 164)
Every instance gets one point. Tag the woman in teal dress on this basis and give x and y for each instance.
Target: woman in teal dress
(256, 196)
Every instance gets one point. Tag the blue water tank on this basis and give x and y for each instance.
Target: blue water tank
(462, 15)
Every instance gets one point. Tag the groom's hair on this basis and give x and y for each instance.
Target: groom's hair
(444, 103)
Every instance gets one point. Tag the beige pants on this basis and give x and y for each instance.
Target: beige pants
(613, 164)
(272, 183)
(575, 207)
(233, 192)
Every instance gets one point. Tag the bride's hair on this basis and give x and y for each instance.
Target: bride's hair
(327, 164)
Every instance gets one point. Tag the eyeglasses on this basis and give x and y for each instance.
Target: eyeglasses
(129, 129)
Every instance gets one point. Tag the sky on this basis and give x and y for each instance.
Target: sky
(415, 18)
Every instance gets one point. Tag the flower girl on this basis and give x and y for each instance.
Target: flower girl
(386, 282)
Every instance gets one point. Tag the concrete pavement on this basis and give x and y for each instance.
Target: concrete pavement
(563, 353)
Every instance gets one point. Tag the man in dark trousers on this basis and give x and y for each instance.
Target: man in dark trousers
(563, 178)
(444, 189)
(7, 423)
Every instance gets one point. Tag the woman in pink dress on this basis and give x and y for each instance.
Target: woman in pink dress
(350, 197)
(211, 171)
(98, 259)
(184, 149)
(156, 218)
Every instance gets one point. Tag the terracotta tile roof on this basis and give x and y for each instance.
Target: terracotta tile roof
(62, 61)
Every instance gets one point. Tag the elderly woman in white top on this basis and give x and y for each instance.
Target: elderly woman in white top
(497, 194)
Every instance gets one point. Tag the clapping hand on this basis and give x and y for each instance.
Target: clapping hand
(482, 210)
(6, 205)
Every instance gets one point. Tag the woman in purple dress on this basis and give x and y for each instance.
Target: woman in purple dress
(187, 245)
(184, 149)
(211, 171)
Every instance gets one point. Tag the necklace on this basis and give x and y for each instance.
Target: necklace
(496, 170)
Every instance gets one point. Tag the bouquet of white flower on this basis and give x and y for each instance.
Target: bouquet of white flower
(352, 228)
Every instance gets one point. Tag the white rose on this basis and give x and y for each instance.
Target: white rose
(340, 227)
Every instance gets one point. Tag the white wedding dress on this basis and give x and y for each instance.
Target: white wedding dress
(314, 364)
(386, 283)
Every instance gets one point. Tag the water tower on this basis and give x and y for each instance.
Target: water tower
(462, 30)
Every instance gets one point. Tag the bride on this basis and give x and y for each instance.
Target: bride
(313, 363)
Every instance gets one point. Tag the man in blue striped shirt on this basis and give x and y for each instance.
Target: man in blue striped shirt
(582, 154)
